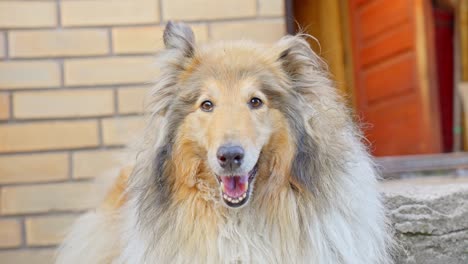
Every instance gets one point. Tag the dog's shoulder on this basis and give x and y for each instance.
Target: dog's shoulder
(116, 196)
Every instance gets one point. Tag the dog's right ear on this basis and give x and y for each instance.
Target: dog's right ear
(179, 36)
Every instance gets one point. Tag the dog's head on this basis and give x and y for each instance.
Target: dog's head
(235, 112)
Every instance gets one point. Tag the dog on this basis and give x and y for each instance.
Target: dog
(249, 156)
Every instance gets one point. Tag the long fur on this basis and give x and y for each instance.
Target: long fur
(315, 199)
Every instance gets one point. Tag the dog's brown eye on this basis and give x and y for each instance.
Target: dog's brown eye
(255, 102)
(207, 106)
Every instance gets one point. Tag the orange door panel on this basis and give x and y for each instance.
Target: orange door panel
(394, 75)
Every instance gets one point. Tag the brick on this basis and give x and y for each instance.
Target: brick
(132, 99)
(47, 230)
(117, 12)
(109, 70)
(147, 39)
(4, 106)
(47, 135)
(208, 9)
(29, 74)
(2, 45)
(58, 43)
(47, 198)
(28, 256)
(90, 164)
(63, 103)
(20, 14)
(264, 31)
(137, 39)
(119, 131)
(10, 233)
(271, 7)
(33, 168)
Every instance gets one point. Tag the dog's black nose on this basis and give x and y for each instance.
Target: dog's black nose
(230, 157)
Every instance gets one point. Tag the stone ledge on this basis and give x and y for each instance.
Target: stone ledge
(430, 219)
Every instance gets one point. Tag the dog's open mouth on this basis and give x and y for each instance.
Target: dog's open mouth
(235, 189)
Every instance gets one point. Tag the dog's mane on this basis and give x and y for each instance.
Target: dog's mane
(322, 131)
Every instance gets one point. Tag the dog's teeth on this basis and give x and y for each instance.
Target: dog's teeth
(234, 200)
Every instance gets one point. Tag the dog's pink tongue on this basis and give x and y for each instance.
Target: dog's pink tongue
(235, 186)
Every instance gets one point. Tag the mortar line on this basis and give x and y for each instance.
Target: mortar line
(116, 102)
(111, 41)
(77, 87)
(31, 247)
(42, 183)
(62, 151)
(62, 72)
(24, 243)
(44, 214)
(59, 14)
(195, 21)
(100, 136)
(257, 8)
(7, 47)
(68, 118)
(10, 116)
(87, 57)
(161, 18)
(70, 165)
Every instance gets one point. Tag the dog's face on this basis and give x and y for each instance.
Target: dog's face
(232, 123)
(231, 119)
(226, 104)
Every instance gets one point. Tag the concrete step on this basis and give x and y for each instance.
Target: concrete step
(429, 216)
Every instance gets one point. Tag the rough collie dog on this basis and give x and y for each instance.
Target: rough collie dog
(249, 156)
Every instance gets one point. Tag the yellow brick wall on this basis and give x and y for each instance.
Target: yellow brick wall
(72, 78)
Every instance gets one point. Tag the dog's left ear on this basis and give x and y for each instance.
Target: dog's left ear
(179, 36)
(297, 58)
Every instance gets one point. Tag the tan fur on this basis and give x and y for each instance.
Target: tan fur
(314, 199)
(116, 197)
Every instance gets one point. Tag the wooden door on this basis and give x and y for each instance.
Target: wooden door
(394, 77)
